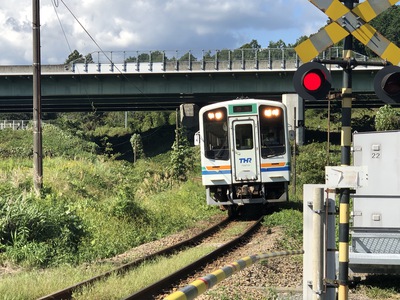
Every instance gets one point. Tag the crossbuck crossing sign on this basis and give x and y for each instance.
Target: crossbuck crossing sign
(355, 22)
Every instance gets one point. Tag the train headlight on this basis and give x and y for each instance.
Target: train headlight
(217, 115)
(271, 112)
(211, 116)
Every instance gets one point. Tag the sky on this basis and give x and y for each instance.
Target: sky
(144, 25)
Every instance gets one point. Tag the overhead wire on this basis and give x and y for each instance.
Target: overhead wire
(56, 5)
(98, 46)
(86, 31)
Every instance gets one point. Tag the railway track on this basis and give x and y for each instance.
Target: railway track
(68, 292)
(157, 288)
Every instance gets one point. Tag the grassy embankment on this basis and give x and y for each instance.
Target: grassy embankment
(91, 207)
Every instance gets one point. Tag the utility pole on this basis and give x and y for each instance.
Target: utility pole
(37, 107)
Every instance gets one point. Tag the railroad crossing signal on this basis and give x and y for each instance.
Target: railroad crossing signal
(346, 21)
(312, 81)
(354, 22)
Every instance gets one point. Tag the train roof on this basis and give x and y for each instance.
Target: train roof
(242, 101)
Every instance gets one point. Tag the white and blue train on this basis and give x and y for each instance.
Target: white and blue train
(245, 152)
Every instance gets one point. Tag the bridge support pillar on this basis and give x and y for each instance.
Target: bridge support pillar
(189, 116)
(295, 111)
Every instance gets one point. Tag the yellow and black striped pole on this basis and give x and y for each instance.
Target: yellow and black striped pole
(344, 196)
(205, 283)
(344, 201)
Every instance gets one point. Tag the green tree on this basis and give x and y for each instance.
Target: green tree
(186, 56)
(131, 59)
(224, 55)
(157, 56)
(388, 23)
(77, 57)
(137, 147)
(144, 57)
(180, 156)
(387, 118)
(311, 161)
(279, 44)
(89, 58)
(252, 45)
(144, 121)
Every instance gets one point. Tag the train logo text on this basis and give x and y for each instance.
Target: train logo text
(245, 160)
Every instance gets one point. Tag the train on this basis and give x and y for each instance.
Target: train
(245, 152)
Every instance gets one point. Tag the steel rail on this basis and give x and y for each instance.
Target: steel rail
(156, 288)
(67, 292)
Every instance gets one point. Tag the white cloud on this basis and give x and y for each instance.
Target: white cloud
(120, 25)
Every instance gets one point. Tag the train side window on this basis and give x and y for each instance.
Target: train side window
(216, 136)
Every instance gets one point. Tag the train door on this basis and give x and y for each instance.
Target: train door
(245, 161)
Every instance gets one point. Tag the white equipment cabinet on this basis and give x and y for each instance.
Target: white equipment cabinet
(375, 231)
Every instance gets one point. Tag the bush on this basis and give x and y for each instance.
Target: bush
(311, 162)
(124, 205)
(387, 118)
(36, 231)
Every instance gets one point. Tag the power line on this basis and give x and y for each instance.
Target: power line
(55, 4)
(87, 32)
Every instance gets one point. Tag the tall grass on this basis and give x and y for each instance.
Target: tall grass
(91, 207)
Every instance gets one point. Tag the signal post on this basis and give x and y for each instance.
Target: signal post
(344, 202)
(312, 81)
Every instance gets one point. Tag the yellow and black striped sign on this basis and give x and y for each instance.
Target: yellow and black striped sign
(354, 22)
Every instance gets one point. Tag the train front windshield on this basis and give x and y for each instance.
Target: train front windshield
(216, 134)
(272, 131)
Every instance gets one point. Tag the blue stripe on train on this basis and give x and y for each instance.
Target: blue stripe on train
(286, 168)
(215, 172)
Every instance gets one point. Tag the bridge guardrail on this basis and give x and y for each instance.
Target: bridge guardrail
(237, 60)
(211, 60)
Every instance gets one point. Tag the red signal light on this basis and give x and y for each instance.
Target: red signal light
(312, 81)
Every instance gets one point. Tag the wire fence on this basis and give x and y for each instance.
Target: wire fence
(14, 124)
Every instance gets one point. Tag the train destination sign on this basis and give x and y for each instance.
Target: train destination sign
(355, 22)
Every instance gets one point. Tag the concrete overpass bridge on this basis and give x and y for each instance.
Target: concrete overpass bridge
(154, 80)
